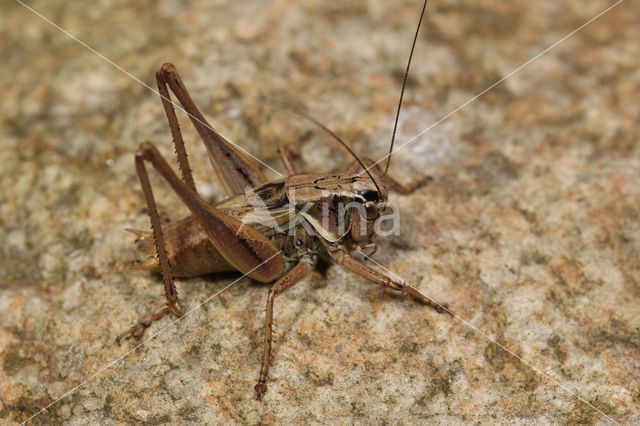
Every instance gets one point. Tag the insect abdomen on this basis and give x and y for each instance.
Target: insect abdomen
(189, 250)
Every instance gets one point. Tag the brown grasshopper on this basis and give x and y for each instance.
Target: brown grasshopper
(268, 230)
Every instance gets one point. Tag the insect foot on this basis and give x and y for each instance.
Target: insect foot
(444, 309)
(261, 388)
(137, 331)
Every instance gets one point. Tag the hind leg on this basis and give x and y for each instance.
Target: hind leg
(170, 291)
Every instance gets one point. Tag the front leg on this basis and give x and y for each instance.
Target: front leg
(388, 179)
(294, 276)
(352, 265)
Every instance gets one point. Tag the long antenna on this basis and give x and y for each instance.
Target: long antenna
(330, 132)
(404, 83)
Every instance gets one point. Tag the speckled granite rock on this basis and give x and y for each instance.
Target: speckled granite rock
(530, 229)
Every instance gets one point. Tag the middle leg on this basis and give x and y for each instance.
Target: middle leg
(287, 159)
(294, 276)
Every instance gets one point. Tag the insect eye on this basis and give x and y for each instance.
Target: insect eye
(370, 210)
(368, 195)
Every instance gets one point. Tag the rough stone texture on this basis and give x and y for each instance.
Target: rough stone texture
(530, 229)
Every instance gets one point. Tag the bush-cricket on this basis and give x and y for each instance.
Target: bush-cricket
(269, 230)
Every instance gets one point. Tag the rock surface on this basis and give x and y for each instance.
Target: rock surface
(530, 229)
